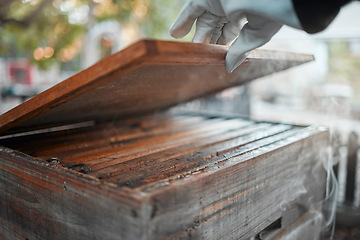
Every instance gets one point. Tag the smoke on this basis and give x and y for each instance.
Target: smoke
(330, 202)
(319, 211)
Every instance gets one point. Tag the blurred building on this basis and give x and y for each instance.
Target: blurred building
(310, 89)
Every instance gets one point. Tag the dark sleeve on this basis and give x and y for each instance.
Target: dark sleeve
(316, 15)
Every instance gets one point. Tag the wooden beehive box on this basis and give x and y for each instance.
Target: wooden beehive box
(95, 158)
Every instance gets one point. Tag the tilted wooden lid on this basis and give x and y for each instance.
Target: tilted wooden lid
(147, 76)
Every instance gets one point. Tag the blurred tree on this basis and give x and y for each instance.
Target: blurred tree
(46, 30)
(344, 64)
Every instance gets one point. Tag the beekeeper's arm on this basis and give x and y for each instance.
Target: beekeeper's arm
(218, 22)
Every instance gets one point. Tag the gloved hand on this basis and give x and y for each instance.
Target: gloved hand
(218, 22)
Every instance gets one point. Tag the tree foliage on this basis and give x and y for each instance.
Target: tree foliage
(344, 64)
(27, 25)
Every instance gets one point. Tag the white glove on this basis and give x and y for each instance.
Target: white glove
(218, 22)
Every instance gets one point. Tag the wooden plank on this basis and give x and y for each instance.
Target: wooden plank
(145, 77)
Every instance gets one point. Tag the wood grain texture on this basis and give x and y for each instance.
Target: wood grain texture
(162, 177)
(38, 201)
(147, 76)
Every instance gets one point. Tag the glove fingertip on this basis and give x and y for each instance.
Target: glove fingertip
(176, 32)
(232, 62)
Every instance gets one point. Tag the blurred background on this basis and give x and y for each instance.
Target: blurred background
(43, 42)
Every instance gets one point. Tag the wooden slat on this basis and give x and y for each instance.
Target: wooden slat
(146, 146)
(137, 175)
(190, 148)
(96, 140)
(94, 131)
(145, 77)
(124, 142)
(175, 148)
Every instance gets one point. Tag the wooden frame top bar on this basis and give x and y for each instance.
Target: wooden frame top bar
(147, 76)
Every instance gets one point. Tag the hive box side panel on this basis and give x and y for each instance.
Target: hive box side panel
(41, 202)
(243, 199)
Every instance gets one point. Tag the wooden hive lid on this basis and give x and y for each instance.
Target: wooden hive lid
(147, 76)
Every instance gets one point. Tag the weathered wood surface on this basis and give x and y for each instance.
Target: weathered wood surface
(38, 201)
(161, 177)
(145, 77)
(307, 227)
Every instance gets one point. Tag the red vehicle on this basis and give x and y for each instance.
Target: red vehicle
(19, 79)
(20, 72)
